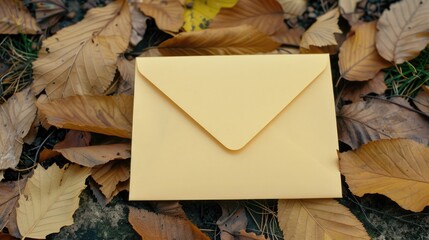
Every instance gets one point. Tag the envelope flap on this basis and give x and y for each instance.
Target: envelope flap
(233, 97)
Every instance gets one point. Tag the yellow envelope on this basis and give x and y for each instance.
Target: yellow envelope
(234, 127)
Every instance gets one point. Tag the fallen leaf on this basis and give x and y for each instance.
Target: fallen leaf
(422, 100)
(354, 91)
(109, 175)
(318, 219)
(49, 200)
(373, 119)
(170, 208)
(12, 225)
(49, 12)
(243, 235)
(264, 15)
(16, 118)
(127, 70)
(74, 138)
(289, 36)
(15, 18)
(32, 133)
(81, 59)
(232, 221)
(347, 6)
(168, 14)
(138, 24)
(101, 199)
(96, 155)
(235, 40)
(199, 13)
(1, 175)
(293, 8)
(40, 116)
(358, 58)
(403, 30)
(109, 115)
(8, 198)
(321, 33)
(157, 226)
(397, 168)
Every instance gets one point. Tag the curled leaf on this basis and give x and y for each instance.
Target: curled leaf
(15, 18)
(168, 14)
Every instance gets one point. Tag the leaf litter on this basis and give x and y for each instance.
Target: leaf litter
(79, 63)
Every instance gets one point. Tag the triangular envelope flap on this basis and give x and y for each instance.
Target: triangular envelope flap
(233, 97)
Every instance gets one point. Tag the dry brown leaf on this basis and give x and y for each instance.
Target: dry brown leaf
(16, 118)
(422, 100)
(235, 40)
(358, 58)
(101, 199)
(109, 115)
(397, 168)
(293, 8)
(32, 133)
(127, 70)
(289, 36)
(40, 116)
(4, 236)
(157, 226)
(48, 13)
(321, 33)
(109, 175)
(318, 219)
(374, 119)
(74, 138)
(170, 208)
(15, 18)
(243, 235)
(168, 14)
(81, 59)
(9, 198)
(138, 24)
(365, 121)
(354, 91)
(232, 221)
(49, 200)
(403, 30)
(264, 15)
(96, 155)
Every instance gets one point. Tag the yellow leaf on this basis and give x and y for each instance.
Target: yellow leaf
(15, 18)
(358, 58)
(109, 115)
(293, 8)
(318, 219)
(264, 15)
(199, 13)
(235, 40)
(110, 175)
(16, 118)
(81, 59)
(159, 227)
(397, 168)
(96, 155)
(321, 33)
(168, 14)
(49, 200)
(403, 30)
